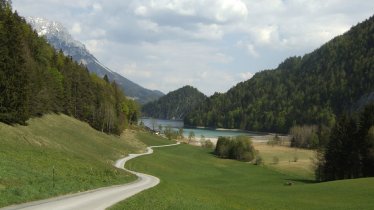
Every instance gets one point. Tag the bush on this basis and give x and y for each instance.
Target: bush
(304, 136)
(170, 133)
(207, 144)
(259, 160)
(238, 148)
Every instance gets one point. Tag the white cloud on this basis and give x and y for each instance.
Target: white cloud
(97, 7)
(95, 46)
(267, 35)
(149, 25)
(141, 11)
(76, 29)
(219, 11)
(249, 47)
(246, 75)
(209, 32)
(133, 70)
(211, 44)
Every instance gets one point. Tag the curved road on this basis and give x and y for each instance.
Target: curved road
(101, 198)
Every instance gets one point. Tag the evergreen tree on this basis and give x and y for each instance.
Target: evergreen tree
(366, 122)
(14, 96)
(350, 150)
(342, 156)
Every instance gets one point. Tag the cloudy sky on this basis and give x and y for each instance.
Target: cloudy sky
(210, 44)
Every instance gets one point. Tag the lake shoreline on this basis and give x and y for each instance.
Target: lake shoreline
(208, 133)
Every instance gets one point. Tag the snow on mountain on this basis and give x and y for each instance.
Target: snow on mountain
(58, 36)
(52, 29)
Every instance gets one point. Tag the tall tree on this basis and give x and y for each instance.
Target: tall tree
(14, 84)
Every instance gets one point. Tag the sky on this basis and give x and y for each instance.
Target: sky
(209, 44)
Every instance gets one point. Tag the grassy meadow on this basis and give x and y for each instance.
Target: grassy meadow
(292, 161)
(57, 154)
(152, 140)
(192, 178)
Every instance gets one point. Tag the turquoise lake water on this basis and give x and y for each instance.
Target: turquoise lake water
(206, 132)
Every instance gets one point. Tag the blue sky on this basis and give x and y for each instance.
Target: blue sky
(209, 44)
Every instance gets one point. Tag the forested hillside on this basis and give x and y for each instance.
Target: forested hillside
(35, 79)
(174, 105)
(58, 36)
(312, 89)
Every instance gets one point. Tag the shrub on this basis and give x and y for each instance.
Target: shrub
(170, 133)
(207, 144)
(304, 136)
(259, 160)
(238, 148)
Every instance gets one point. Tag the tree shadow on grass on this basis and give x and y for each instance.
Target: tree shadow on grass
(305, 181)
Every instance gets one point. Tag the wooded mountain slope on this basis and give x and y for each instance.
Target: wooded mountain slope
(312, 89)
(58, 36)
(174, 105)
(35, 79)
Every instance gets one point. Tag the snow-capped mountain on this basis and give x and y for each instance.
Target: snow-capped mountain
(58, 36)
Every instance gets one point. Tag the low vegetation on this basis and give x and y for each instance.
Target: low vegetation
(295, 161)
(192, 178)
(170, 133)
(57, 154)
(238, 148)
(206, 143)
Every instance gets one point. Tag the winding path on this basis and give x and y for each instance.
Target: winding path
(101, 198)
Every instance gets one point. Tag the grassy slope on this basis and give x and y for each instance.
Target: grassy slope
(191, 178)
(82, 158)
(152, 140)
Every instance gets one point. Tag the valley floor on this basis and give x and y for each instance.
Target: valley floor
(192, 178)
(57, 155)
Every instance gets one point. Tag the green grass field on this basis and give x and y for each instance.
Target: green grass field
(152, 140)
(82, 158)
(192, 178)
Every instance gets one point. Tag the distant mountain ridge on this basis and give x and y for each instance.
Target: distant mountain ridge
(58, 36)
(174, 105)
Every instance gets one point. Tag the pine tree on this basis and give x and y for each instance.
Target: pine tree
(366, 140)
(342, 153)
(14, 85)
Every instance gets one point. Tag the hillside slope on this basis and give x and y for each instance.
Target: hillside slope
(57, 154)
(174, 105)
(58, 36)
(312, 89)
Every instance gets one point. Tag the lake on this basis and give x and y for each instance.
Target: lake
(206, 132)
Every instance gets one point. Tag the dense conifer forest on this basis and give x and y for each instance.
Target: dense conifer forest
(175, 105)
(35, 79)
